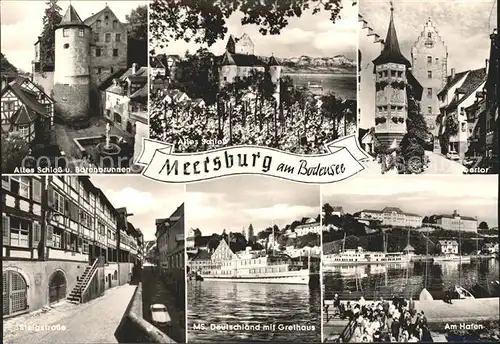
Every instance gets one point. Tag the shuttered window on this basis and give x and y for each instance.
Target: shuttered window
(6, 229)
(50, 235)
(37, 232)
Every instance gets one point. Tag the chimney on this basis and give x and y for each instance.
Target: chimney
(486, 63)
(115, 82)
(134, 68)
(452, 73)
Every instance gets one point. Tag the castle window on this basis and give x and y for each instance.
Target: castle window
(96, 37)
(112, 70)
(108, 38)
(97, 52)
(429, 59)
(99, 70)
(400, 74)
(115, 52)
(429, 110)
(379, 74)
(118, 37)
(429, 93)
(429, 35)
(98, 24)
(65, 33)
(81, 32)
(386, 73)
(106, 16)
(393, 73)
(115, 24)
(429, 74)
(66, 46)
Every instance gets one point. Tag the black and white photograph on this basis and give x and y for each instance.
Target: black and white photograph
(411, 260)
(74, 86)
(94, 259)
(253, 268)
(428, 86)
(270, 73)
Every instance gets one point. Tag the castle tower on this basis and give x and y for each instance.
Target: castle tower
(429, 66)
(72, 65)
(391, 103)
(227, 70)
(275, 71)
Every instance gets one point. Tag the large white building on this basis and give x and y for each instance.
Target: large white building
(455, 222)
(392, 216)
(311, 226)
(448, 246)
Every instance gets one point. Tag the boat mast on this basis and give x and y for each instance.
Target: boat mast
(343, 243)
(459, 251)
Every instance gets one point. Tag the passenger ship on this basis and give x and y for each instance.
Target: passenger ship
(257, 267)
(359, 256)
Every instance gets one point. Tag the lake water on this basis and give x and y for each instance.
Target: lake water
(293, 310)
(409, 279)
(343, 85)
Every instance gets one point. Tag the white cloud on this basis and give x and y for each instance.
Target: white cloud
(139, 201)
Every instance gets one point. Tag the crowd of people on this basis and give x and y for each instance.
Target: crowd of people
(294, 129)
(396, 320)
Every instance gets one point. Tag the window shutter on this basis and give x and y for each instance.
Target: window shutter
(36, 234)
(67, 204)
(37, 189)
(50, 235)
(6, 229)
(50, 194)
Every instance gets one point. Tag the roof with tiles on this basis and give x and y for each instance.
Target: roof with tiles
(392, 52)
(71, 17)
(471, 83)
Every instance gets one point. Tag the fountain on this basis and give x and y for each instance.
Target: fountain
(108, 149)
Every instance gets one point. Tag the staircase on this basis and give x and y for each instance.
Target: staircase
(76, 294)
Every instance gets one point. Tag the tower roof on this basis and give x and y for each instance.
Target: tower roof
(227, 59)
(71, 17)
(391, 52)
(273, 61)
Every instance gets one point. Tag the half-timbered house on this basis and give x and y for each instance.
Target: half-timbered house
(59, 237)
(27, 110)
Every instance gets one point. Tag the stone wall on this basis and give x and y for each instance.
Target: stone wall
(37, 275)
(123, 272)
(72, 101)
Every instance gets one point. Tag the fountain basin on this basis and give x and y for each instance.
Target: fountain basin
(86, 144)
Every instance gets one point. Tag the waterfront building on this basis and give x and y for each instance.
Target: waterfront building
(56, 232)
(455, 222)
(200, 261)
(448, 246)
(429, 57)
(311, 226)
(392, 216)
(170, 245)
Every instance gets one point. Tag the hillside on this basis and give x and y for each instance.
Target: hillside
(308, 64)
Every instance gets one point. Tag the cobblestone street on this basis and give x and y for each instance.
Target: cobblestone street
(92, 322)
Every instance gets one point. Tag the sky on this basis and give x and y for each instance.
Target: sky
(312, 35)
(22, 24)
(233, 203)
(465, 26)
(148, 200)
(470, 195)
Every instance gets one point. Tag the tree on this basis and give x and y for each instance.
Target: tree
(6, 66)
(483, 225)
(51, 19)
(204, 21)
(327, 213)
(137, 23)
(14, 150)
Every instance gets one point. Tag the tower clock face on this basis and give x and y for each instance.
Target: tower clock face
(429, 43)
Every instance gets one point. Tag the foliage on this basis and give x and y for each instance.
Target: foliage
(6, 66)
(51, 19)
(450, 129)
(310, 239)
(483, 225)
(205, 21)
(14, 150)
(137, 23)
